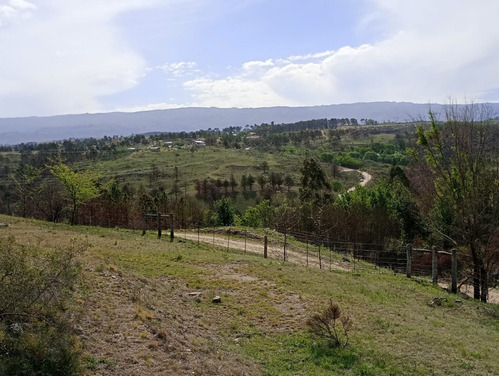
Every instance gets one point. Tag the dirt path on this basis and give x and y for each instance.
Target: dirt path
(301, 257)
(308, 257)
(366, 177)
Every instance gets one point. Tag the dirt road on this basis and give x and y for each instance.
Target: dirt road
(366, 177)
(307, 256)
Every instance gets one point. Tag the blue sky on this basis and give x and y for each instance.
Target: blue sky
(76, 56)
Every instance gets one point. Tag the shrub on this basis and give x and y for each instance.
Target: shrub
(35, 332)
(371, 155)
(331, 325)
(347, 161)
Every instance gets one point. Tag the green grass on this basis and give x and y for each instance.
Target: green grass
(266, 303)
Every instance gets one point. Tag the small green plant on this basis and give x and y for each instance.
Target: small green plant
(35, 291)
(331, 325)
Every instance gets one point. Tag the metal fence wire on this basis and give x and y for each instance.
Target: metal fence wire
(315, 251)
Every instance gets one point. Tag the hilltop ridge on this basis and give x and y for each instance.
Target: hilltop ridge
(41, 129)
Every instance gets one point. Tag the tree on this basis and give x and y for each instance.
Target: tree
(226, 185)
(313, 181)
(259, 216)
(264, 166)
(250, 181)
(224, 212)
(25, 183)
(289, 182)
(243, 182)
(462, 157)
(81, 186)
(233, 183)
(261, 180)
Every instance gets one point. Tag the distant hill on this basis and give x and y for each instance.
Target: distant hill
(39, 129)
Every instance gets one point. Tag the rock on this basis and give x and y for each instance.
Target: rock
(345, 259)
(195, 293)
(4, 225)
(78, 330)
(436, 302)
(217, 299)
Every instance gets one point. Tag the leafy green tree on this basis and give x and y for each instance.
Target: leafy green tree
(81, 186)
(224, 212)
(259, 216)
(314, 184)
(462, 157)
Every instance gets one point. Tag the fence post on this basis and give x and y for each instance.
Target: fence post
(265, 246)
(307, 252)
(329, 251)
(454, 271)
(143, 224)
(228, 235)
(171, 227)
(246, 231)
(354, 255)
(198, 234)
(284, 249)
(434, 266)
(159, 224)
(319, 255)
(408, 260)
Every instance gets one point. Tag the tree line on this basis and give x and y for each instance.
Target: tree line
(444, 195)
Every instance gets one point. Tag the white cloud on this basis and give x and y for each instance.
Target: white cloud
(429, 51)
(65, 56)
(14, 9)
(180, 69)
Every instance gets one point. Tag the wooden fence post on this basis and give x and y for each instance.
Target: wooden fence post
(143, 224)
(408, 260)
(159, 224)
(246, 242)
(319, 255)
(307, 252)
(265, 246)
(284, 249)
(434, 266)
(454, 271)
(354, 255)
(198, 234)
(228, 235)
(171, 227)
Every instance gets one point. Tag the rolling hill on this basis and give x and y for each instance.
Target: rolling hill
(41, 129)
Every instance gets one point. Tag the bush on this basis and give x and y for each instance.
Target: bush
(224, 212)
(336, 185)
(35, 333)
(347, 161)
(371, 155)
(331, 325)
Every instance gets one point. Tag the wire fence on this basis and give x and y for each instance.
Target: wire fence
(446, 268)
(320, 252)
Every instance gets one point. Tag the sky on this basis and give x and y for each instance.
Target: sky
(89, 56)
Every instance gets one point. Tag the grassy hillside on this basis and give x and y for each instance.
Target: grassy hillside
(134, 314)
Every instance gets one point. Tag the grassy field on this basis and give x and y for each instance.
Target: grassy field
(144, 307)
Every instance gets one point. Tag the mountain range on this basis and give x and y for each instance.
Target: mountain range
(42, 129)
